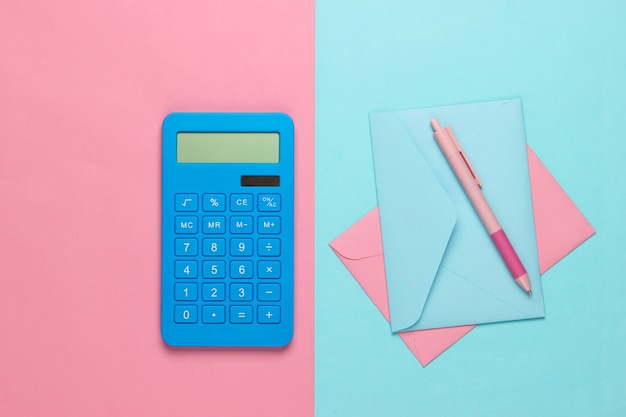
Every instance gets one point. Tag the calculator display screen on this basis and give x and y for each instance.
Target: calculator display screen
(227, 147)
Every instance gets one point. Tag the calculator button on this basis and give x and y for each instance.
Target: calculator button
(213, 224)
(185, 269)
(185, 314)
(186, 202)
(241, 314)
(186, 224)
(214, 202)
(186, 247)
(213, 247)
(269, 247)
(241, 224)
(269, 269)
(213, 269)
(241, 269)
(269, 225)
(213, 314)
(185, 292)
(268, 314)
(268, 292)
(213, 292)
(240, 292)
(241, 202)
(269, 202)
(241, 247)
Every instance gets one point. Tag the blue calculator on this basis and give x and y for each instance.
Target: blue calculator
(227, 273)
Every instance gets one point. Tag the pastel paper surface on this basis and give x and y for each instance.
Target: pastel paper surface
(360, 249)
(554, 212)
(472, 284)
(85, 88)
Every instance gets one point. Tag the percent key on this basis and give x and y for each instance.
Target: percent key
(213, 202)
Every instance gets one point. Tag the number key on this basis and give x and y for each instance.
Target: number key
(213, 269)
(213, 247)
(213, 292)
(241, 269)
(185, 269)
(241, 247)
(186, 247)
(241, 292)
(185, 314)
(185, 292)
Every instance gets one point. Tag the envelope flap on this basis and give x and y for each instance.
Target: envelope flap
(416, 215)
(362, 240)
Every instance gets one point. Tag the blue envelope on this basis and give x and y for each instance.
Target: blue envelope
(441, 266)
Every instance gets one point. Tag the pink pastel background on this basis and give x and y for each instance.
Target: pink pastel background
(84, 87)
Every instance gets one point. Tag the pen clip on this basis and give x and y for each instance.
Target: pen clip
(465, 158)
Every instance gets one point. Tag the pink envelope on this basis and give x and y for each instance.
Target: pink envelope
(560, 228)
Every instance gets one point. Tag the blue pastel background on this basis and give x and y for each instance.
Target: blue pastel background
(567, 61)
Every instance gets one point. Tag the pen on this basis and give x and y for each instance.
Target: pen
(471, 185)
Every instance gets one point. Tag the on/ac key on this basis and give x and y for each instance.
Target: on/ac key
(269, 202)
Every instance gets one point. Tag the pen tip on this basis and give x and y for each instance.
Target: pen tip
(435, 124)
(530, 292)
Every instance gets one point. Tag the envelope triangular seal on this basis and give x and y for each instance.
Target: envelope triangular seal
(417, 219)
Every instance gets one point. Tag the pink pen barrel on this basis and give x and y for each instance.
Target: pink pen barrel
(449, 146)
(511, 259)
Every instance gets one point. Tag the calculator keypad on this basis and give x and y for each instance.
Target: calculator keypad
(227, 263)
